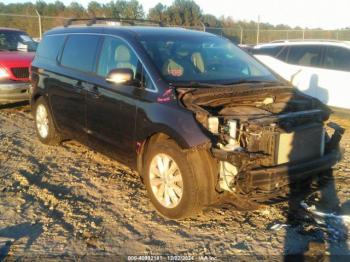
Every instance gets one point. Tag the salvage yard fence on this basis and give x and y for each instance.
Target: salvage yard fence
(35, 25)
(254, 36)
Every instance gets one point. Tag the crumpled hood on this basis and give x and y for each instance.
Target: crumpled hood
(11, 59)
(226, 101)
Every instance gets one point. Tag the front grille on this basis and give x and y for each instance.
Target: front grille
(304, 143)
(20, 72)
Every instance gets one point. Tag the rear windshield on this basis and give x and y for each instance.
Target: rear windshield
(208, 59)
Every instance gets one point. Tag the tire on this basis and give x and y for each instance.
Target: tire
(51, 136)
(196, 188)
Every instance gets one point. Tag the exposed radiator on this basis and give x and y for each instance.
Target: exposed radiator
(304, 143)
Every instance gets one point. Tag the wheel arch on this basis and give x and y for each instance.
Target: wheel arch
(206, 165)
(142, 147)
(35, 98)
(33, 101)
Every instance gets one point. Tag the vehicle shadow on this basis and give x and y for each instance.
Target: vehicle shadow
(14, 105)
(309, 236)
(314, 239)
(13, 233)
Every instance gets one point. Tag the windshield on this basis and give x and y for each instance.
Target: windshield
(208, 59)
(16, 40)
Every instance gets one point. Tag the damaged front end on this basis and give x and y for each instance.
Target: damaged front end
(264, 138)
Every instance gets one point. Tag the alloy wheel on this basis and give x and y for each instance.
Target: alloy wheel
(42, 121)
(166, 180)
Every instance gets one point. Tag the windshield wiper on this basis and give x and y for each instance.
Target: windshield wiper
(196, 84)
(247, 81)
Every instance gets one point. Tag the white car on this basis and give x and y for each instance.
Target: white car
(318, 68)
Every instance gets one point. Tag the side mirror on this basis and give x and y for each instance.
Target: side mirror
(120, 76)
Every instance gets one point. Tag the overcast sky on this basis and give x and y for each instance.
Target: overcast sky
(327, 14)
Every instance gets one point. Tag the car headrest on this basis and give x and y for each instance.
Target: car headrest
(122, 54)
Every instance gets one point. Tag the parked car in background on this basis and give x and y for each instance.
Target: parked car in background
(196, 116)
(316, 67)
(16, 54)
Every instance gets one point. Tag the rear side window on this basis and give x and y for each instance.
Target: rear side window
(337, 58)
(306, 55)
(80, 51)
(50, 46)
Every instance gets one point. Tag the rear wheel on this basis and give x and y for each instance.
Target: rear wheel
(45, 128)
(174, 185)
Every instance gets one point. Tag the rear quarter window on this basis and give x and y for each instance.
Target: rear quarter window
(50, 46)
(80, 52)
(337, 58)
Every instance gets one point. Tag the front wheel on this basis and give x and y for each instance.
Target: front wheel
(45, 128)
(175, 185)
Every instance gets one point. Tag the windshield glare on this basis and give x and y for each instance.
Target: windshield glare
(208, 59)
(16, 40)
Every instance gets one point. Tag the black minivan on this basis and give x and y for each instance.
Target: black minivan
(196, 116)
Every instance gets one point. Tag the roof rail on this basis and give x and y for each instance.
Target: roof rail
(94, 20)
(304, 40)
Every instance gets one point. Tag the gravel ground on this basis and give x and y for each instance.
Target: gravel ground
(73, 203)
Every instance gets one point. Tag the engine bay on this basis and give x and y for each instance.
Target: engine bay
(254, 127)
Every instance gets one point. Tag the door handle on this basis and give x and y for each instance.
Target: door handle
(79, 85)
(77, 88)
(94, 92)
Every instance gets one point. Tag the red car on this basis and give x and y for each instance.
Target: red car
(16, 54)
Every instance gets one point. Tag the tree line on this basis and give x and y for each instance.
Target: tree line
(180, 13)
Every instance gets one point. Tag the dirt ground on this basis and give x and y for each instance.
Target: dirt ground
(70, 202)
